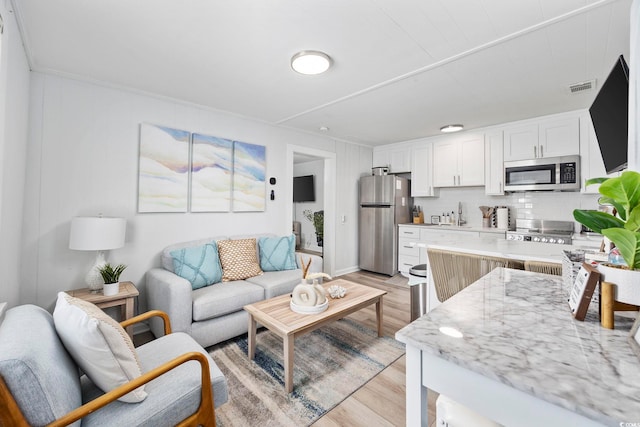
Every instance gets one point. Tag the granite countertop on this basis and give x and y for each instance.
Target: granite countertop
(518, 330)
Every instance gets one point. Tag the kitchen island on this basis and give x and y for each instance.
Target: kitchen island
(522, 359)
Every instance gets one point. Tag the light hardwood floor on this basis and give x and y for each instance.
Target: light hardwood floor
(380, 402)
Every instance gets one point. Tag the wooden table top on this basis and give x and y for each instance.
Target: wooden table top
(127, 290)
(276, 312)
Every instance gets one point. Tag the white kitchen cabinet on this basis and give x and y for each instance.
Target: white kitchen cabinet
(408, 248)
(591, 163)
(397, 159)
(422, 171)
(494, 164)
(551, 137)
(459, 161)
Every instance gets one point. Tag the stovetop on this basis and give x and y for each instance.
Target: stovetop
(543, 231)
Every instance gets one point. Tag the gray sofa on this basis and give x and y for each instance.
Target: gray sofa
(47, 384)
(214, 313)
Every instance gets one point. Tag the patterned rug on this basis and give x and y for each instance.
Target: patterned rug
(330, 363)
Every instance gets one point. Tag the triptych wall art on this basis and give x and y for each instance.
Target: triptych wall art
(181, 171)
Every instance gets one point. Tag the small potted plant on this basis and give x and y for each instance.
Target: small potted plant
(622, 227)
(317, 219)
(111, 277)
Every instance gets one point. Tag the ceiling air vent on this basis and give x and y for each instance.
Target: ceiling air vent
(582, 87)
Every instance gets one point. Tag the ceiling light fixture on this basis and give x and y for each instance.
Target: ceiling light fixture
(310, 62)
(451, 128)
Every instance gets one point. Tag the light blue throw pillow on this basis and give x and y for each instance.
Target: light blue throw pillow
(200, 265)
(277, 253)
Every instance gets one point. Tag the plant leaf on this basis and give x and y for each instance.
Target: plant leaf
(597, 220)
(628, 243)
(595, 181)
(633, 222)
(625, 190)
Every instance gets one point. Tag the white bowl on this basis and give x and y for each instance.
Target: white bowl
(305, 309)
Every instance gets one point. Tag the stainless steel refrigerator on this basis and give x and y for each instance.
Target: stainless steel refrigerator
(384, 203)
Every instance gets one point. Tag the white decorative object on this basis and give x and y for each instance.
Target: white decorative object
(337, 291)
(627, 283)
(309, 298)
(111, 289)
(96, 234)
(305, 309)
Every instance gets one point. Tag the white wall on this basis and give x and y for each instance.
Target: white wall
(14, 109)
(307, 231)
(83, 160)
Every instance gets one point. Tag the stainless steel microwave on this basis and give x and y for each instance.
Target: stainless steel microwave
(545, 174)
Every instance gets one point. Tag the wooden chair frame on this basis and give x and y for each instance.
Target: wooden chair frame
(11, 415)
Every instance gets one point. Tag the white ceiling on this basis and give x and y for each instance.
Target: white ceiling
(402, 68)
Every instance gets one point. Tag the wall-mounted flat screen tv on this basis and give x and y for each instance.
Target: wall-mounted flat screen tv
(303, 189)
(610, 116)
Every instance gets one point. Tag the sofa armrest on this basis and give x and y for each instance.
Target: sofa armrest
(205, 414)
(170, 293)
(316, 262)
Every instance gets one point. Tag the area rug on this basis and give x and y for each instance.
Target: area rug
(330, 363)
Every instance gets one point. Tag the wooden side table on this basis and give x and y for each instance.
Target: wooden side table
(124, 299)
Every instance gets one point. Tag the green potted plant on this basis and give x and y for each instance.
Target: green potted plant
(622, 227)
(111, 276)
(317, 219)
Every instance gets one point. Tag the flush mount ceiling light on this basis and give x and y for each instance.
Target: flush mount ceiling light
(310, 62)
(451, 128)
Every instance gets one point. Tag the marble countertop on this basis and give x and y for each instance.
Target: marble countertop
(518, 330)
(454, 227)
(525, 251)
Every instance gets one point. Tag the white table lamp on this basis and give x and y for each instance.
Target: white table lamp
(98, 234)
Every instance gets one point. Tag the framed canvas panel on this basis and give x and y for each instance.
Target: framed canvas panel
(582, 290)
(249, 170)
(211, 173)
(163, 170)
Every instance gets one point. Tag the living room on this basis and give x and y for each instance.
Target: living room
(70, 147)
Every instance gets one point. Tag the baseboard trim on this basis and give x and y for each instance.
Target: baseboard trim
(347, 270)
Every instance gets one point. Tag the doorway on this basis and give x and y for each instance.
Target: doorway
(301, 153)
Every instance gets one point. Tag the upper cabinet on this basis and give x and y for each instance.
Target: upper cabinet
(422, 171)
(494, 163)
(545, 138)
(458, 161)
(397, 159)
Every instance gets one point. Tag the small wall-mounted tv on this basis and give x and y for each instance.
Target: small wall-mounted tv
(610, 116)
(303, 189)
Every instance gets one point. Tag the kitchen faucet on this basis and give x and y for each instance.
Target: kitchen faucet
(459, 220)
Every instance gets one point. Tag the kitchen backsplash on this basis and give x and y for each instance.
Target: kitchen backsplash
(529, 205)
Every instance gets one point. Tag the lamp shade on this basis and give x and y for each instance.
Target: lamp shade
(97, 233)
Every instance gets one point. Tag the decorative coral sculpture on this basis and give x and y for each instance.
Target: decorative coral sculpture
(336, 291)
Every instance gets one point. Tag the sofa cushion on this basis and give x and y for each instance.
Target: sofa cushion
(238, 259)
(200, 265)
(277, 283)
(98, 344)
(277, 253)
(167, 260)
(39, 372)
(224, 298)
(172, 396)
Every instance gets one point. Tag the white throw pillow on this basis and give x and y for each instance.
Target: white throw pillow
(98, 344)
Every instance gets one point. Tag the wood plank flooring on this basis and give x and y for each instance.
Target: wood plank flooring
(380, 402)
